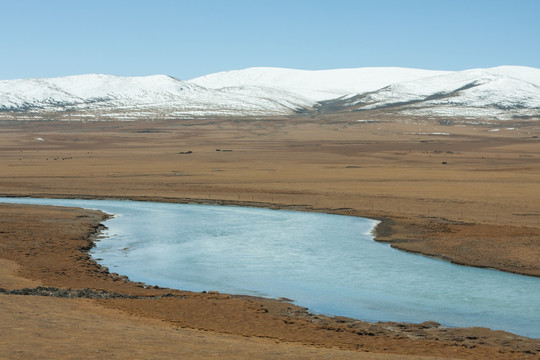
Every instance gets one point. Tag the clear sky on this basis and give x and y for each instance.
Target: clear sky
(185, 39)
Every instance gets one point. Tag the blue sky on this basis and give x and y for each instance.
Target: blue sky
(185, 39)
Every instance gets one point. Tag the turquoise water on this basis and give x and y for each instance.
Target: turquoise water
(328, 263)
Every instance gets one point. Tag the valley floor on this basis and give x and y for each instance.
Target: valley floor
(464, 192)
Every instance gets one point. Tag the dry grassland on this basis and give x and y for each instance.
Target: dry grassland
(462, 192)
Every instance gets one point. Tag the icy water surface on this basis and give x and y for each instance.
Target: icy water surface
(328, 263)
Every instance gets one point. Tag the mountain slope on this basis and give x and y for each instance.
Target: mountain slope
(501, 92)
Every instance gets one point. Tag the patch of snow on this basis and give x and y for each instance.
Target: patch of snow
(432, 133)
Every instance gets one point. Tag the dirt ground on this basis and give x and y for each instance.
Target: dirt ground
(464, 192)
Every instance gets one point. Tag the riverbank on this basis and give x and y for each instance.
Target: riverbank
(464, 243)
(47, 246)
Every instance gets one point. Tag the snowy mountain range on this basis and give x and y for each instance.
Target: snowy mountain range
(502, 92)
(496, 93)
(132, 98)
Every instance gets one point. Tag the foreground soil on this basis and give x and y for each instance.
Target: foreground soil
(462, 192)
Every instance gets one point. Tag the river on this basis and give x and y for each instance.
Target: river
(327, 263)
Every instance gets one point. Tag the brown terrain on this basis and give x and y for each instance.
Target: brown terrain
(459, 191)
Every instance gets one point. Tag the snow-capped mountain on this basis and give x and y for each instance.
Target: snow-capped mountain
(135, 97)
(502, 92)
(313, 85)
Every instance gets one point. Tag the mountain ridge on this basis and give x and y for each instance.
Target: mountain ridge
(502, 92)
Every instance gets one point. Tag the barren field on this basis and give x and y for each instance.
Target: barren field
(464, 192)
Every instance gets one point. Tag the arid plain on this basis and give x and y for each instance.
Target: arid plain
(462, 190)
